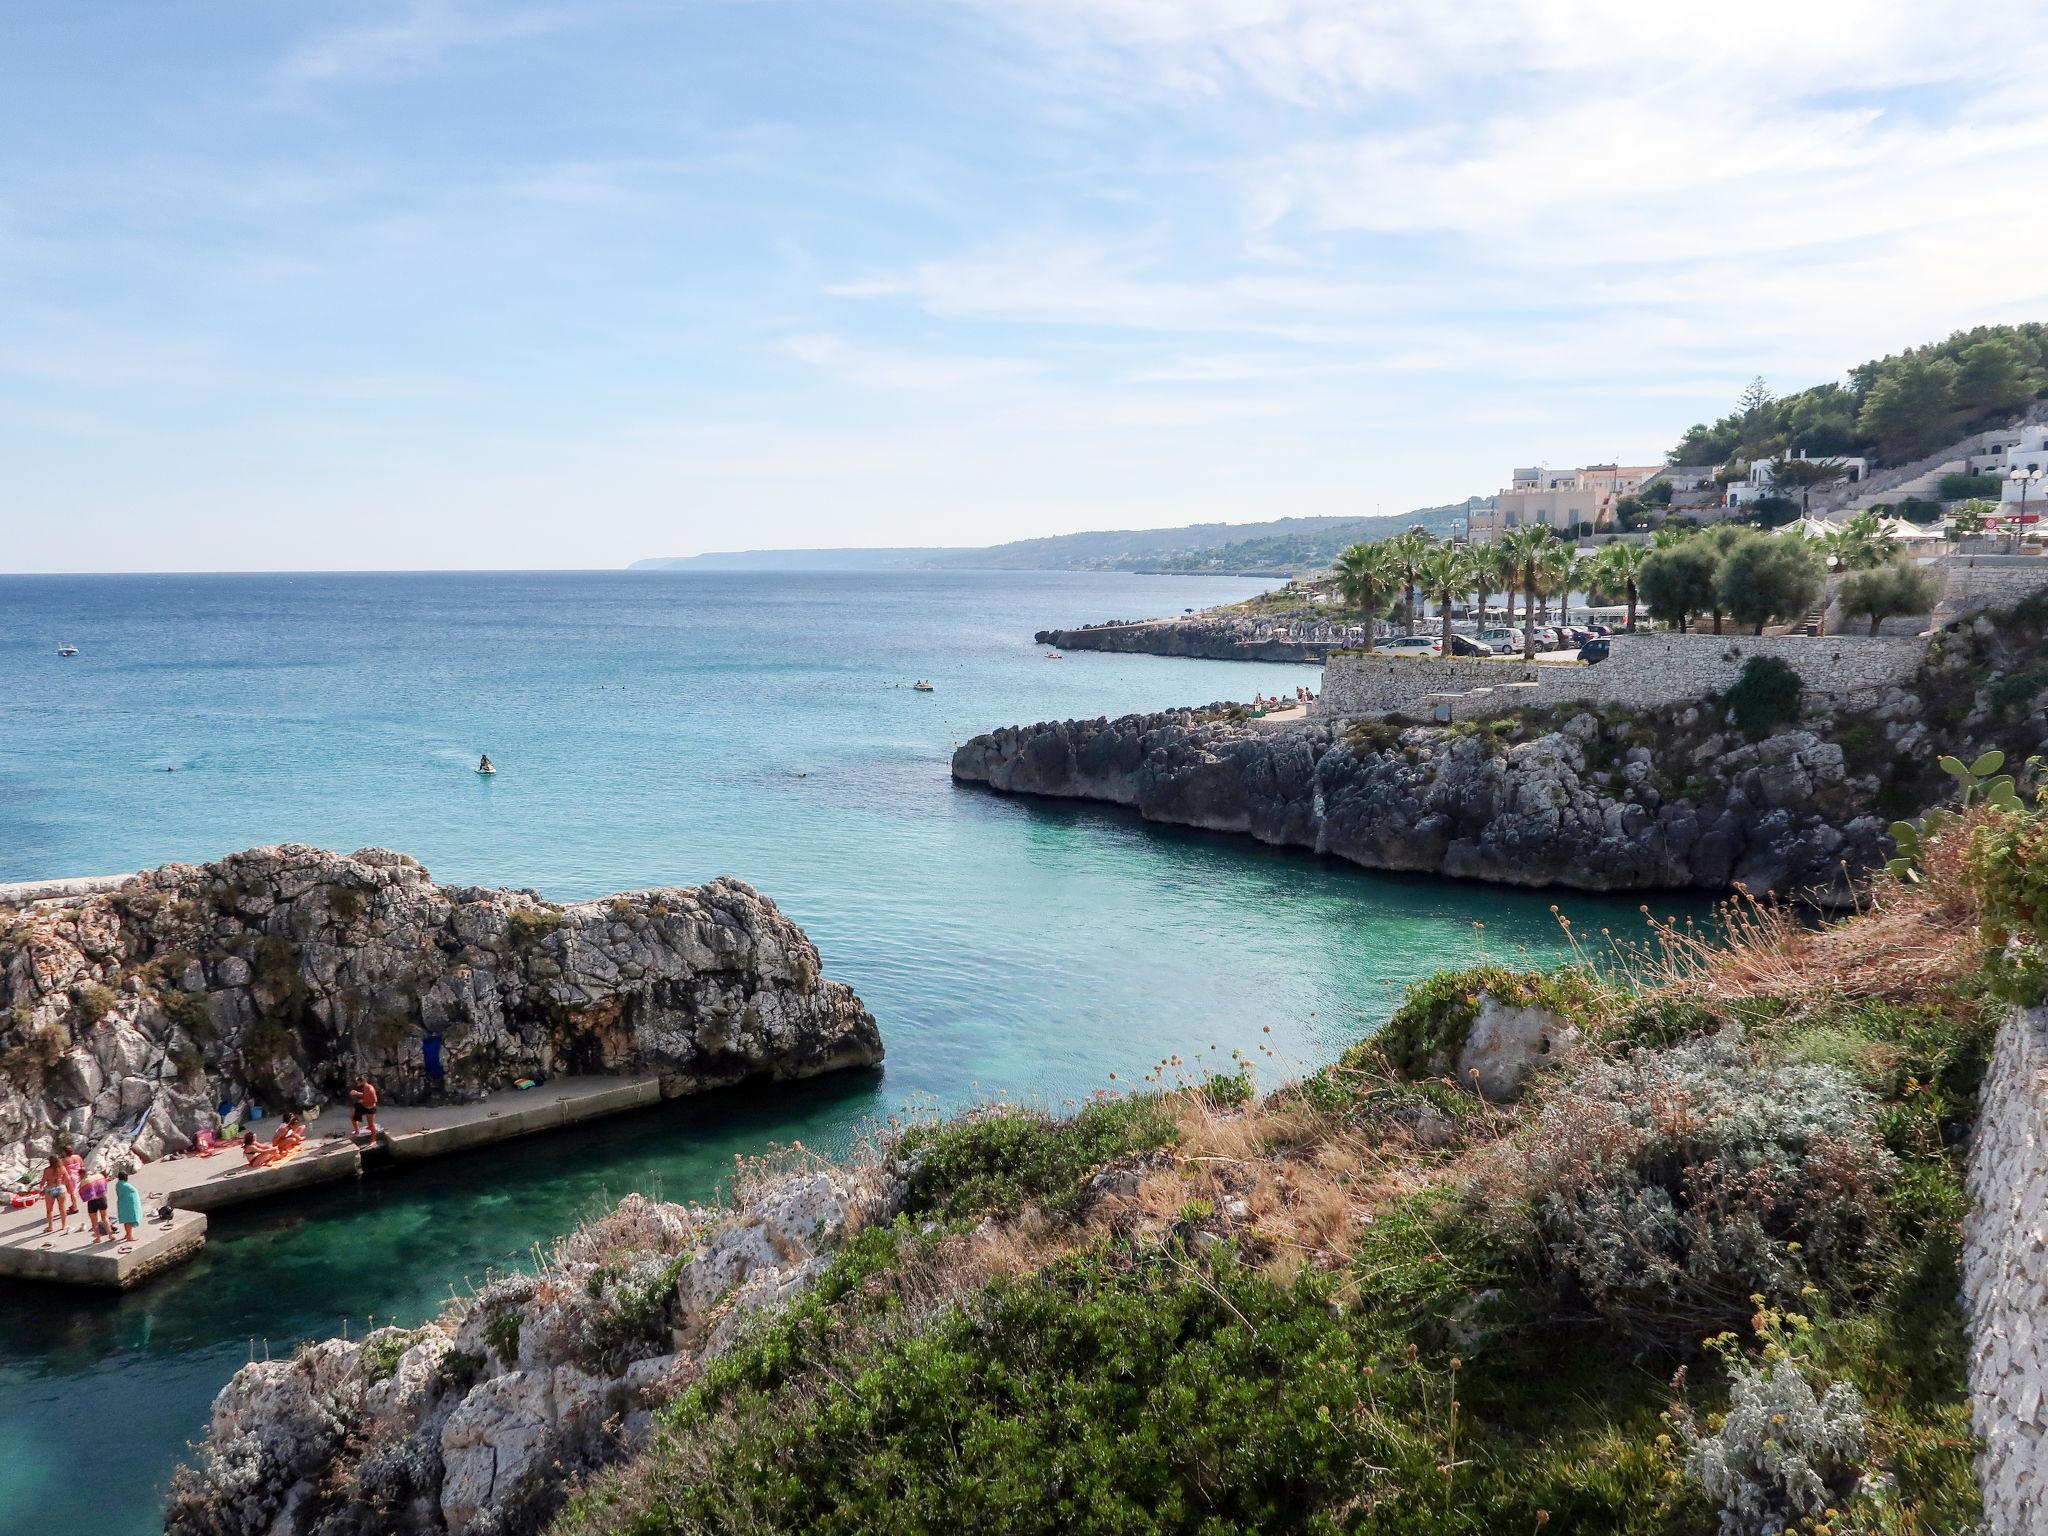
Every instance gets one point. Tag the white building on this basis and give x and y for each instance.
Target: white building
(1741, 493)
(2029, 456)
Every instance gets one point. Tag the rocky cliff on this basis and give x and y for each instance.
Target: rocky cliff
(479, 1421)
(127, 1016)
(1620, 800)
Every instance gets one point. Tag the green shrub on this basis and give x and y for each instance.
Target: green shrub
(501, 1333)
(1961, 487)
(1001, 1159)
(2008, 862)
(276, 969)
(191, 1012)
(1427, 1032)
(1675, 1185)
(460, 1369)
(1765, 698)
(383, 1351)
(347, 902)
(2012, 697)
(93, 1002)
(631, 1313)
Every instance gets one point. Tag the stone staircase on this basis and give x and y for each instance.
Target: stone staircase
(1921, 476)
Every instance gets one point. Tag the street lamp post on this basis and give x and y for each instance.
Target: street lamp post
(2025, 479)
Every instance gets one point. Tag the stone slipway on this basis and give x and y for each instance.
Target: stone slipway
(192, 1186)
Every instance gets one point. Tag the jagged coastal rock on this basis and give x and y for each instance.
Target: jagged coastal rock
(1563, 807)
(1604, 801)
(128, 1016)
(477, 1422)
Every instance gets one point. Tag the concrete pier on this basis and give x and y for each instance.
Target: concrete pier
(192, 1186)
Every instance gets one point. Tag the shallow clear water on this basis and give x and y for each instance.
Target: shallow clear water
(650, 728)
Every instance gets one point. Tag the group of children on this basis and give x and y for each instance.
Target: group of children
(66, 1183)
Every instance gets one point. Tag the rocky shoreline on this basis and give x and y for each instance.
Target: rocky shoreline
(1203, 639)
(127, 1016)
(1611, 800)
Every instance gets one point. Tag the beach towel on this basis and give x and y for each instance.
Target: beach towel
(430, 1056)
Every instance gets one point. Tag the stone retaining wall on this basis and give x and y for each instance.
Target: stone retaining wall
(1973, 583)
(1641, 672)
(2005, 1279)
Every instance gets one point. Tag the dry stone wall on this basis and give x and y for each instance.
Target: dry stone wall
(1642, 671)
(1973, 583)
(2005, 1280)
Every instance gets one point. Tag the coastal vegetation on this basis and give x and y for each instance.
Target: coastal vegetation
(1698, 1277)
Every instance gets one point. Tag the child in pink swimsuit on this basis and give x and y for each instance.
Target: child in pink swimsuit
(74, 1170)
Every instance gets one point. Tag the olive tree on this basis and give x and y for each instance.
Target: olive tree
(1769, 580)
(1886, 591)
(1677, 581)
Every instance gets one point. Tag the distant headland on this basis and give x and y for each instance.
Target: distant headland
(1284, 546)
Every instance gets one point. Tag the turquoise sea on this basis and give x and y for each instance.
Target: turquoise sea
(651, 728)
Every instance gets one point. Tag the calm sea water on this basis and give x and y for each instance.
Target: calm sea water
(650, 728)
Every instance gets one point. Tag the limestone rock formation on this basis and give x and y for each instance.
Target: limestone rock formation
(276, 975)
(476, 1422)
(1625, 800)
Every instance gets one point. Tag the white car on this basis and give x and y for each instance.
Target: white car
(1415, 645)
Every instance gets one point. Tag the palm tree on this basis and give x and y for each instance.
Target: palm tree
(1861, 544)
(1526, 545)
(1613, 572)
(1557, 571)
(1443, 573)
(1502, 570)
(1409, 548)
(1367, 575)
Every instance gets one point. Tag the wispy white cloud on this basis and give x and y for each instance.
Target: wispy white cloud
(419, 35)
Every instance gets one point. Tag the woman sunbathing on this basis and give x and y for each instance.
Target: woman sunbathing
(287, 1140)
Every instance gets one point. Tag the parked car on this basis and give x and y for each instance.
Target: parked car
(1414, 645)
(1593, 650)
(1462, 645)
(1501, 639)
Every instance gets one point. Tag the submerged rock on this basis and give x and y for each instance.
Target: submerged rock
(278, 975)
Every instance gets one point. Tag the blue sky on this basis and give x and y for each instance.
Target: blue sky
(433, 283)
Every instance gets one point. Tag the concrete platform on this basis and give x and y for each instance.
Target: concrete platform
(224, 1179)
(192, 1186)
(73, 1258)
(431, 1131)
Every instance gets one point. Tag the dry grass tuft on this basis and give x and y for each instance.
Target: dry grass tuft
(1910, 942)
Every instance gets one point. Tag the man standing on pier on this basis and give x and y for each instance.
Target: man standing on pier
(364, 1098)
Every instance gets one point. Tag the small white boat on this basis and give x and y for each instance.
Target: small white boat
(921, 686)
(67, 649)
(1054, 656)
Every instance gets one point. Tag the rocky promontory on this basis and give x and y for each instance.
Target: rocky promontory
(1204, 637)
(1605, 801)
(277, 975)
